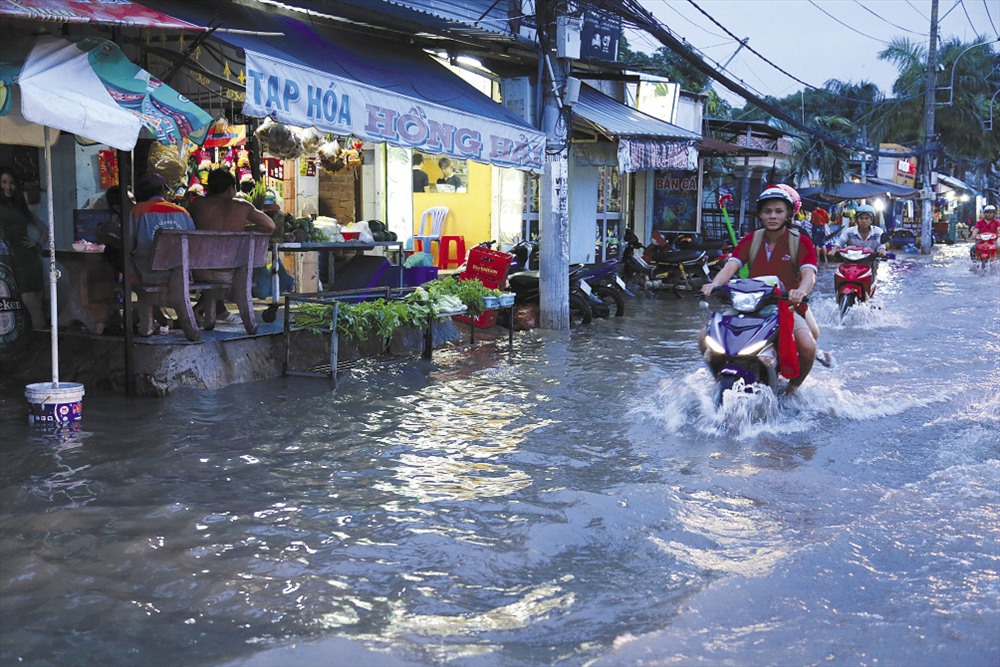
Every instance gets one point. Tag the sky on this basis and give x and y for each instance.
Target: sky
(813, 40)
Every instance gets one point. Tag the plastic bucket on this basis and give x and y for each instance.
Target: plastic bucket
(54, 405)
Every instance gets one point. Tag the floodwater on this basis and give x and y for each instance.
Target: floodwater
(578, 501)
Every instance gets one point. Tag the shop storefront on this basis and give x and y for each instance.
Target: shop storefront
(620, 162)
(392, 104)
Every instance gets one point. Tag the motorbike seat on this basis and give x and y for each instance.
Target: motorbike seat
(678, 256)
(522, 280)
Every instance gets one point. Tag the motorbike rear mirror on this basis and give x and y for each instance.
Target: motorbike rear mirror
(885, 238)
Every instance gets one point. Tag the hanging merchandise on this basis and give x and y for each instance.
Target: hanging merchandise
(329, 156)
(333, 157)
(199, 164)
(167, 162)
(311, 140)
(244, 173)
(279, 140)
(353, 157)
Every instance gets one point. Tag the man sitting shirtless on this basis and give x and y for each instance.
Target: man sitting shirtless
(221, 210)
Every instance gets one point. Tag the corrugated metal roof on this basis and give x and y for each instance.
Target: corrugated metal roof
(615, 119)
(955, 183)
(487, 15)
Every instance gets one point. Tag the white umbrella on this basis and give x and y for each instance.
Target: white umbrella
(89, 88)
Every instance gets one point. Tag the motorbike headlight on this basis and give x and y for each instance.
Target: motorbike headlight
(752, 349)
(746, 302)
(714, 345)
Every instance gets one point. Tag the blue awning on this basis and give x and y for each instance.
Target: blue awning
(375, 90)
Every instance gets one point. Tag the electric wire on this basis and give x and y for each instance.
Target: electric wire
(634, 11)
(969, 18)
(990, 17)
(879, 16)
(849, 27)
(766, 60)
(748, 47)
(922, 15)
(679, 13)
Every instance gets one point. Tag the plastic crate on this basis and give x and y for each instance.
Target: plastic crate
(490, 268)
(418, 275)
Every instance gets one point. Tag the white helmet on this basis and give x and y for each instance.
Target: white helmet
(784, 194)
(865, 208)
(989, 207)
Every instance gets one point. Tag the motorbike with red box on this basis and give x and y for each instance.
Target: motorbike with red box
(854, 279)
(984, 251)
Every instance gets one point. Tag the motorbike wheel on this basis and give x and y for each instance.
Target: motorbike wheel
(612, 298)
(579, 310)
(724, 384)
(846, 301)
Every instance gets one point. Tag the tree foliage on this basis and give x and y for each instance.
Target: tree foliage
(965, 143)
(663, 62)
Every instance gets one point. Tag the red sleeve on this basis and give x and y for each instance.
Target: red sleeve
(742, 250)
(807, 252)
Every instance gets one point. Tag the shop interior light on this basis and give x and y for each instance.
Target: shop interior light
(879, 205)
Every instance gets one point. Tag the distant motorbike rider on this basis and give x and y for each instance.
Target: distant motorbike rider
(988, 224)
(772, 251)
(864, 233)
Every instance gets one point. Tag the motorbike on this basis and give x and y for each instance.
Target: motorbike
(664, 266)
(717, 253)
(741, 343)
(524, 283)
(985, 250)
(854, 279)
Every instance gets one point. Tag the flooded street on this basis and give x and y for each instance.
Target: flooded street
(577, 501)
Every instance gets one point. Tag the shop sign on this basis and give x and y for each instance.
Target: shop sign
(906, 173)
(602, 31)
(306, 97)
(307, 166)
(675, 200)
(275, 168)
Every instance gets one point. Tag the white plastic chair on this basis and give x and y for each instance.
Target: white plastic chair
(431, 225)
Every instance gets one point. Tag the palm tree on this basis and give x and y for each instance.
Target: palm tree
(959, 126)
(812, 156)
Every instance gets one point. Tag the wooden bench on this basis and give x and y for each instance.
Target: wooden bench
(181, 252)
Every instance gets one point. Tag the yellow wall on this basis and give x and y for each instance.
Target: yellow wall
(469, 213)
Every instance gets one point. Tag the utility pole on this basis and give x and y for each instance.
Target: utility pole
(553, 283)
(927, 192)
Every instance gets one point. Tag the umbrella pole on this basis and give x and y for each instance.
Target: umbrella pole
(125, 179)
(53, 270)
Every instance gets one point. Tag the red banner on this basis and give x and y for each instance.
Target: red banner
(120, 12)
(107, 169)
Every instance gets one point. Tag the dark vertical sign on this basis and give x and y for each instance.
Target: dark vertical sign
(602, 31)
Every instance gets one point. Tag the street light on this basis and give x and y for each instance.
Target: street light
(951, 86)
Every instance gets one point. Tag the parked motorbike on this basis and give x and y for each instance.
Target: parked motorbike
(717, 252)
(985, 250)
(854, 279)
(663, 266)
(524, 283)
(742, 337)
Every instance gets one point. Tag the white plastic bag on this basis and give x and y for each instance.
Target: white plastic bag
(366, 232)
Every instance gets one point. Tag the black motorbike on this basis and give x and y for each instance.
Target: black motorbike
(663, 266)
(523, 281)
